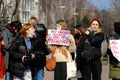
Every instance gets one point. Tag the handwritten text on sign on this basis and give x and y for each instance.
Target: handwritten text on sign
(115, 48)
(58, 37)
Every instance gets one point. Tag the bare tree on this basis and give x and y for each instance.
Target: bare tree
(1, 1)
(107, 20)
(16, 8)
(7, 11)
(116, 8)
(60, 9)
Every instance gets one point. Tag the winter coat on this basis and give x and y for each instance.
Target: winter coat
(40, 50)
(2, 63)
(17, 51)
(7, 35)
(72, 46)
(89, 46)
(60, 57)
(114, 64)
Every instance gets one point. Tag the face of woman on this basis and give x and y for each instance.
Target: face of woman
(76, 31)
(95, 25)
(58, 27)
(31, 31)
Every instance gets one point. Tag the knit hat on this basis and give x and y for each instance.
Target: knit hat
(117, 27)
(40, 30)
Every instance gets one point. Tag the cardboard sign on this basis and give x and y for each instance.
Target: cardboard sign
(115, 48)
(58, 37)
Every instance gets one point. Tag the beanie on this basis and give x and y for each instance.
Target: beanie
(40, 30)
(117, 27)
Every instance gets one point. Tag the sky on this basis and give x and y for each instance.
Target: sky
(101, 4)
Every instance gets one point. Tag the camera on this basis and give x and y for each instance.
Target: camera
(28, 59)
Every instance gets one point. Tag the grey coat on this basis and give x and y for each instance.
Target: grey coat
(6, 41)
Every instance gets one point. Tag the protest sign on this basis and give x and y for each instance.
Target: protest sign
(58, 37)
(115, 48)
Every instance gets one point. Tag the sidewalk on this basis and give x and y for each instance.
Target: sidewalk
(105, 74)
(48, 75)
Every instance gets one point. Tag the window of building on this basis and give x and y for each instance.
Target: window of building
(27, 10)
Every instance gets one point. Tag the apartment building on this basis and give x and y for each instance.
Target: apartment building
(26, 9)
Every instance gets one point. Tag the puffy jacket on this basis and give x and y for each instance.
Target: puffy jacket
(89, 46)
(2, 63)
(40, 49)
(17, 51)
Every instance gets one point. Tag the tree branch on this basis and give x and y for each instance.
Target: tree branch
(16, 8)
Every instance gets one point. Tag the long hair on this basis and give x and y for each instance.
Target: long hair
(10, 28)
(17, 25)
(63, 49)
(100, 26)
(23, 30)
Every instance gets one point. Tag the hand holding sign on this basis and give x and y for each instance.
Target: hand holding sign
(58, 37)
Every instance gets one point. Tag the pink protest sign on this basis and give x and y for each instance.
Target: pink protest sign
(115, 48)
(58, 37)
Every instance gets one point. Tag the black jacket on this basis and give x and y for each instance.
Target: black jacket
(89, 47)
(40, 50)
(17, 50)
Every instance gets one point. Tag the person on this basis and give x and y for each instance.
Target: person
(40, 51)
(2, 62)
(78, 31)
(62, 53)
(89, 51)
(62, 25)
(20, 54)
(8, 34)
(114, 64)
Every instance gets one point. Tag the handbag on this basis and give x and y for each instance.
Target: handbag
(50, 63)
(71, 69)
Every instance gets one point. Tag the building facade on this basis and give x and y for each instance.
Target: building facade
(27, 9)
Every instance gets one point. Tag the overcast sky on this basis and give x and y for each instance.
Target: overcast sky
(101, 4)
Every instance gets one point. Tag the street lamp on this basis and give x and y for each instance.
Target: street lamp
(62, 11)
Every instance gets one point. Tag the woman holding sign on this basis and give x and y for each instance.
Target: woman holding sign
(114, 62)
(62, 52)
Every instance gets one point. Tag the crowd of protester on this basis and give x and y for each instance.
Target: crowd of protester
(23, 51)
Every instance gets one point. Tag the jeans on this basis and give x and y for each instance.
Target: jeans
(8, 76)
(38, 73)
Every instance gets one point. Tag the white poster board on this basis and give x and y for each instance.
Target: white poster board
(58, 37)
(115, 48)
